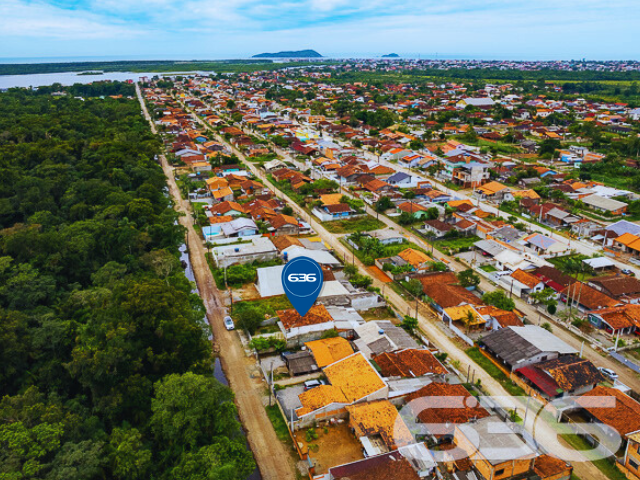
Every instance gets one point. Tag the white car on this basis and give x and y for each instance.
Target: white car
(610, 374)
(228, 323)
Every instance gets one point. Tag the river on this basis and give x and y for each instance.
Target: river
(69, 78)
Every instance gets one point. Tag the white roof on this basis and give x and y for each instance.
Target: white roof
(269, 284)
(603, 203)
(321, 256)
(542, 339)
(600, 262)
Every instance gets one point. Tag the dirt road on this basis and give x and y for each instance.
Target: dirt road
(271, 457)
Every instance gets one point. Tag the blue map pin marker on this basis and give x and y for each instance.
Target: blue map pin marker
(302, 282)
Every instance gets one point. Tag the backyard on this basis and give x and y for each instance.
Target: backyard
(330, 446)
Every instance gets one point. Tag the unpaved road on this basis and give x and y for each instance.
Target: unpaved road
(271, 457)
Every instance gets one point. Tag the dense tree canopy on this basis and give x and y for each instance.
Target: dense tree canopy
(101, 337)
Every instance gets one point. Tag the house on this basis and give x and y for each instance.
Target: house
(443, 291)
(351, 380)
(561, 377)
(622, 288)
(610, 406)
(517, 347)
(409, 363)
(437, 227)
(259, 250)
(497, 318)
(284, 225)
(439, 407)
(605, 205)
(400, 179)
(415, 209)
(586, 298)
(387, 236)
(620, 320)
(418, 260)
(376, 337)
(301, 363)
(379, 427)
(466, 314)
(380, 467)
(631, 459)
(553, 278)
(543, 245)
(327, 351)
(485, 439)
(628, 243)
(227, 208)
(298, 329)
(494, 191)
(240, 227)
(337, 211)
(481, 102)
(522, 283)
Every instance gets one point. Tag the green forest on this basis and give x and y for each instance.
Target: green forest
(105, 366)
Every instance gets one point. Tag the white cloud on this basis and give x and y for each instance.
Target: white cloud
(37, 19)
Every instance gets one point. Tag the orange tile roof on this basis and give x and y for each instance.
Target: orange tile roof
(319, 397)
(221, 193)
(433, 408)
(355, 376)
(492, 188)
(381, 418)
(220, 219)
(528, 279)
(549, 466)
(410, 362)
(292, 319)
(331, 198)
(415, 257)
(329, 350)
(611, 406)
(588, 296)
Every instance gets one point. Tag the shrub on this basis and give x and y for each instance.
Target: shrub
(250, 318)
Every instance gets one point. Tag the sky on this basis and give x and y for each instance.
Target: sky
(218, 29)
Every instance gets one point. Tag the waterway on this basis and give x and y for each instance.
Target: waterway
(218, 373)
(70, 78)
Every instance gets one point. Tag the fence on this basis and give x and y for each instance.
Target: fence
(628, 363)
(459, 333)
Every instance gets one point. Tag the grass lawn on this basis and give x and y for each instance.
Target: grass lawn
(561, 264)
(489, 367)
(605, 465)
(456, 243)
(268, 306)
(351, 225)
(489, 268)
(279, 425)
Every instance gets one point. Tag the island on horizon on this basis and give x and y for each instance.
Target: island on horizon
(391, 55)
(290, 54)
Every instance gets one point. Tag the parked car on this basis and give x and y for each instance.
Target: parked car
(626, 271)
(228, 323)
(309, 384)
(610, 374)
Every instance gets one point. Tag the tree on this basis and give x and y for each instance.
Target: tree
(410, 324)
(250, 318)
(287, 210)
(499, 299)
(130, 458)
(383, 204)
(350, 270)
(468, 278)
(414, 287)
(189, 411)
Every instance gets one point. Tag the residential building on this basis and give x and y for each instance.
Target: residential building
(517, 347)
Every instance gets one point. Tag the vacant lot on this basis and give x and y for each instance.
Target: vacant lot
(350, 225)
(335, 446)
